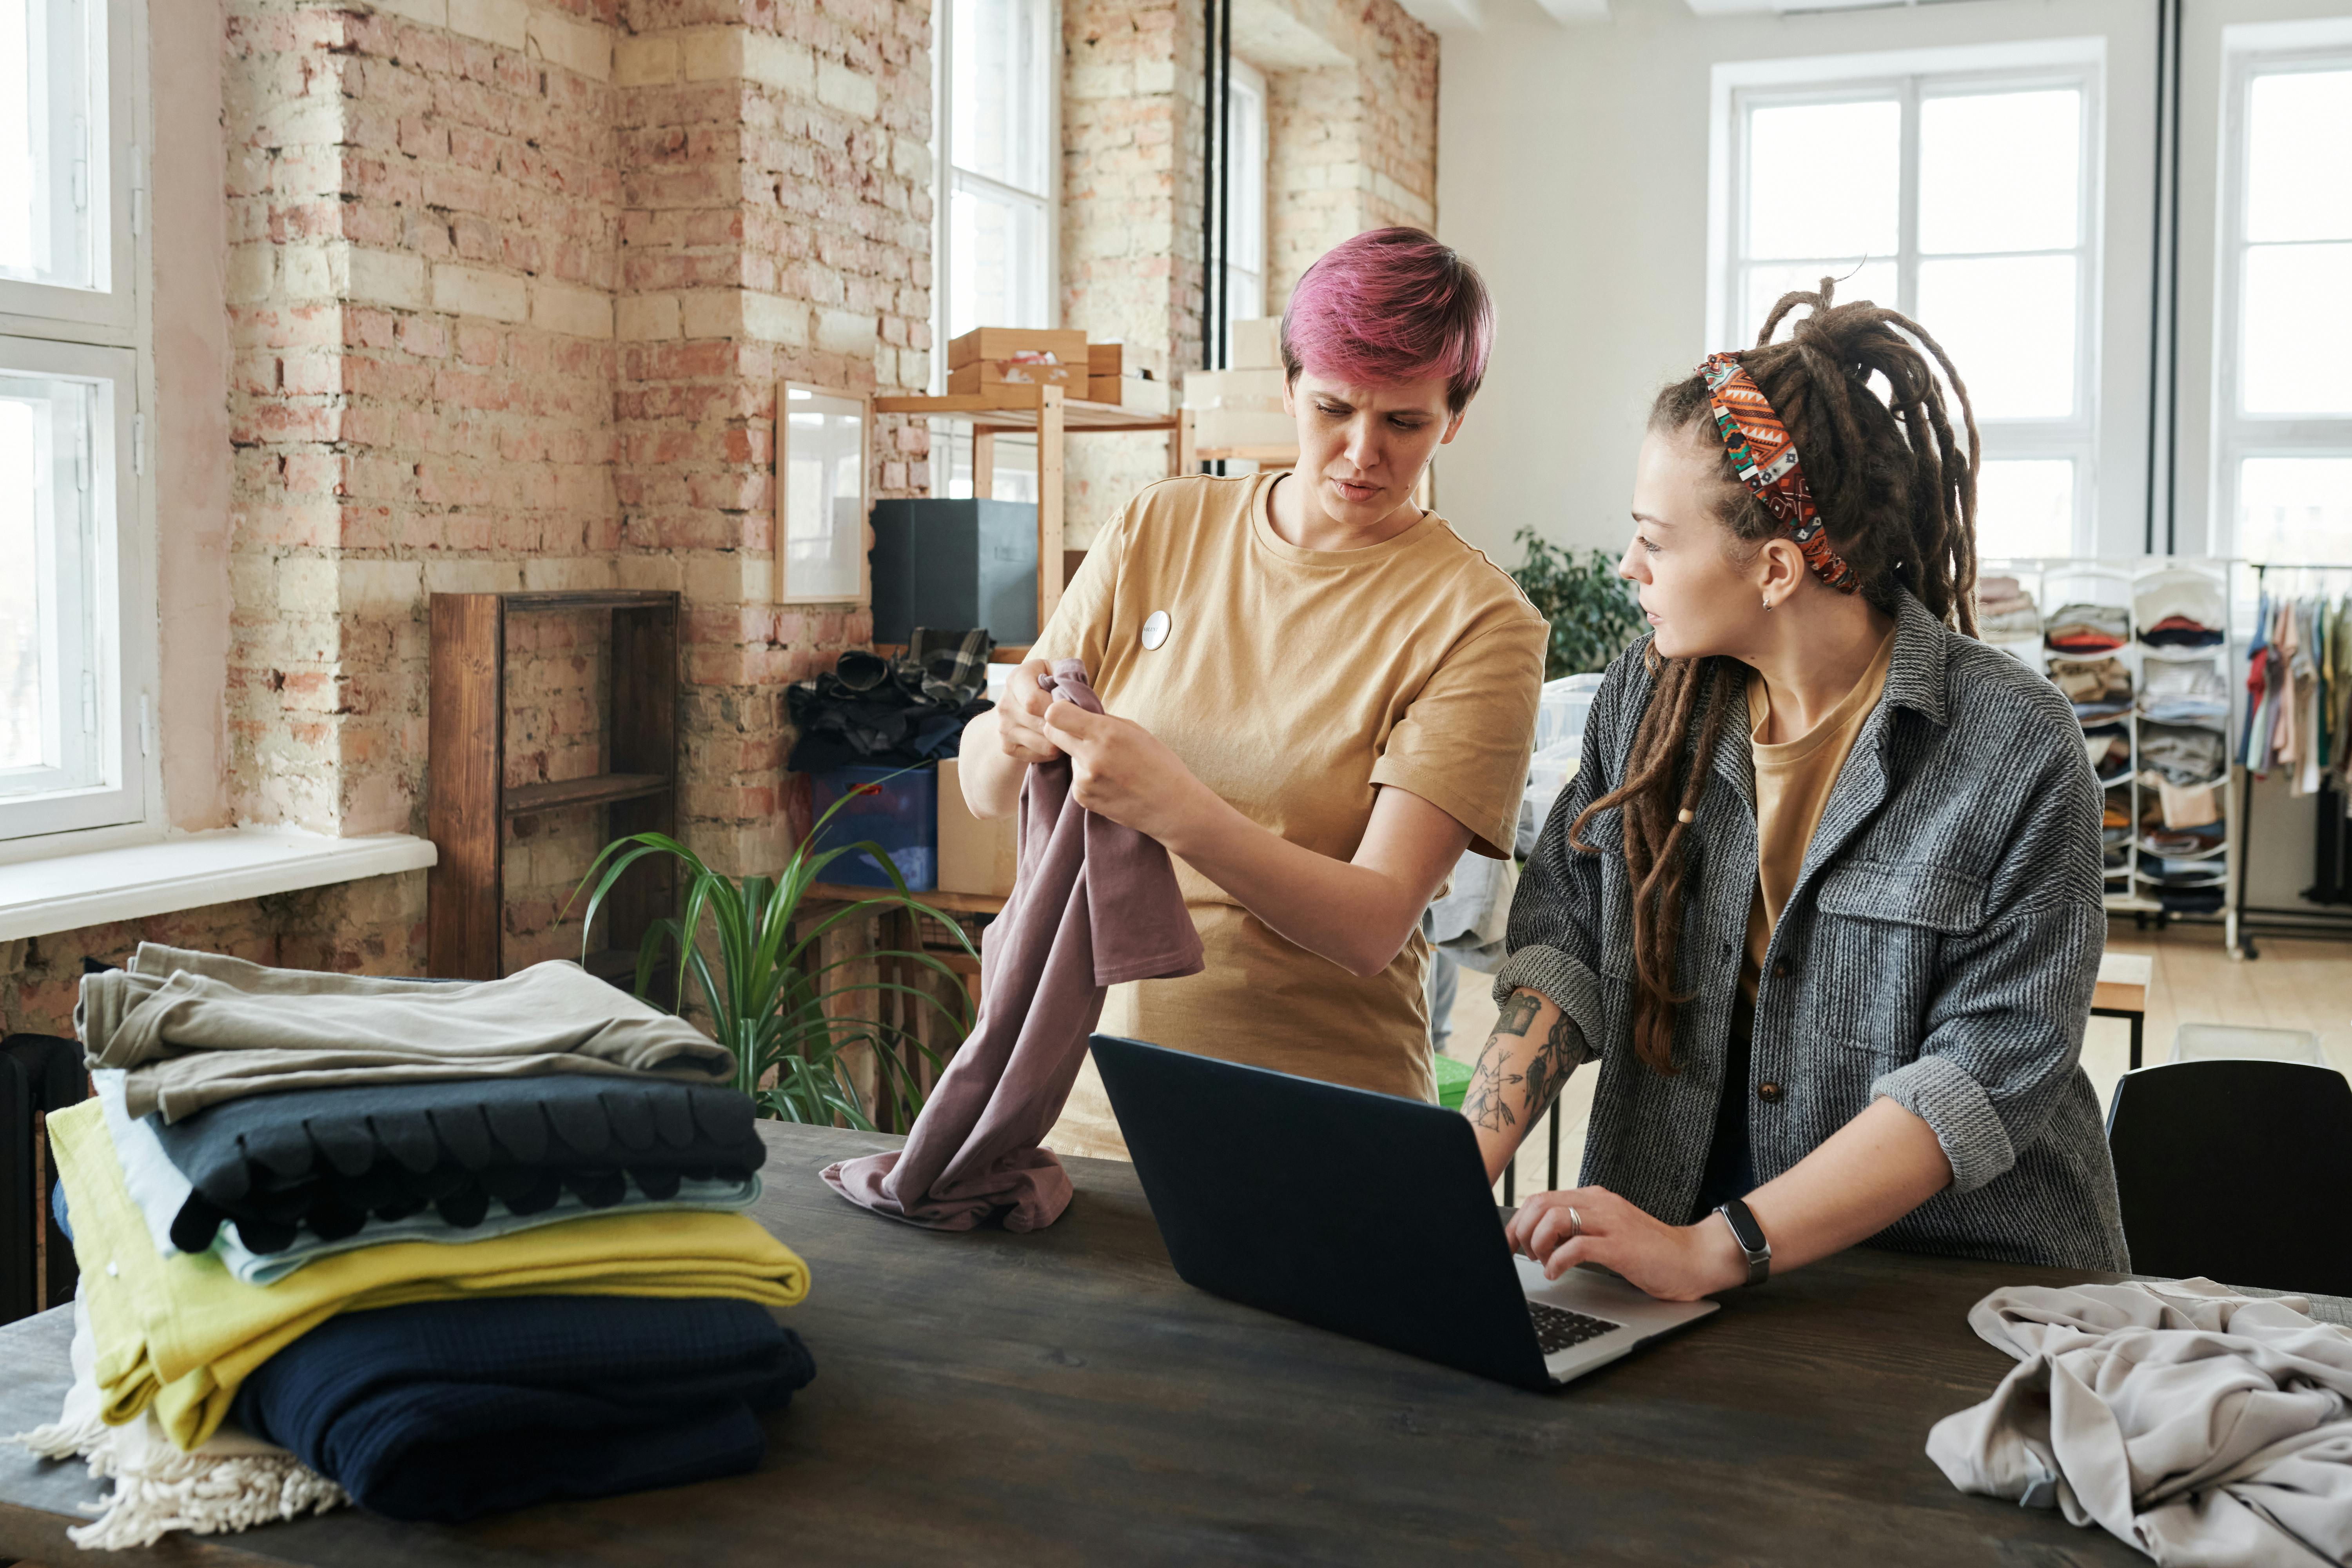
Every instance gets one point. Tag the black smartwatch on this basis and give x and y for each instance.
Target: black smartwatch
(1751, 1236)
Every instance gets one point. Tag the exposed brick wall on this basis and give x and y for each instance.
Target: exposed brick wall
(512, 283)
(1352, 146)
(372, 927)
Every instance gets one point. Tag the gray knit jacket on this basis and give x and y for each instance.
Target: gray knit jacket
(1939, 948)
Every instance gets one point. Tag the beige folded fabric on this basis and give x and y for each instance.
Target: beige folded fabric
(195, 1029)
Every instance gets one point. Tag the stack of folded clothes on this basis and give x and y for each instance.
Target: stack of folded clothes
(2181, 754)
(2184, 692)
(2007, 616)
(2181, 608)
(2178, 854)
(438, 1247)
(2098, 688)
(2116, 831)
(2109, 747)
(2083, 629)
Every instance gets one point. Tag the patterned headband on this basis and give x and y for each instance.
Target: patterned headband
(1766, 457)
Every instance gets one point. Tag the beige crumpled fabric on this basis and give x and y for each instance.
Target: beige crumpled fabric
(2207, 1429)
(231, 1482)
(195, 1029)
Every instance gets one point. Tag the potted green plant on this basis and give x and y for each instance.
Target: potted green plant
(1592, 611)
(767, 1001)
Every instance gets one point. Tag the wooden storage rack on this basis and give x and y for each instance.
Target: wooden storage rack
(1051, 413)
(468, 804)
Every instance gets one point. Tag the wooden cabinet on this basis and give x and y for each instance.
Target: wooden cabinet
(468, 803)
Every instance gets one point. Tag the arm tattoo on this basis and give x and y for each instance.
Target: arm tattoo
(1483, 1102)
(1547, 1073)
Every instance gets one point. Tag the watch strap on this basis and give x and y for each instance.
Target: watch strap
(1751, 1237)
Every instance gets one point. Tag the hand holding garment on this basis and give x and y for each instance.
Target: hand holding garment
(449, 1410)
(1093, 904)
(2200, 1426)
(318, 1164)
(179, 1334)
(196, 1028)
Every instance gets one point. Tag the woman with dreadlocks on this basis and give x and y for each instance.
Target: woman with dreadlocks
(1823, 901)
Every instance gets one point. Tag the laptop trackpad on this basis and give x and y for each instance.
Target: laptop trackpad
(1604, 1296)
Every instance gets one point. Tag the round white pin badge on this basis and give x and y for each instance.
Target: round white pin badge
(1155, 629)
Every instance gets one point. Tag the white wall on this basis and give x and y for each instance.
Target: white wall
(1572, 169)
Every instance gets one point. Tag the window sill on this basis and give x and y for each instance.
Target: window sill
(39, 898)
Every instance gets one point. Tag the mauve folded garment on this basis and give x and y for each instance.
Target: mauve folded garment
(449, 1410)
(325, 1159)
(1093, 904)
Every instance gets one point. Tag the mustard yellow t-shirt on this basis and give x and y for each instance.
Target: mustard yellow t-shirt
(1793, 781)
(1293, 682)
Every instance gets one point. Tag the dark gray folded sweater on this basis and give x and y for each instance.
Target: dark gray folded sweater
(329, 1160)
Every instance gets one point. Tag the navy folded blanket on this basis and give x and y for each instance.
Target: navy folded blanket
(328, 1160)
(449, 1410)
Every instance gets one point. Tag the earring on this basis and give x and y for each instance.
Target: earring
(1768, 604)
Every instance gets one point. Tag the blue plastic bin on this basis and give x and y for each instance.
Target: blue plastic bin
(897, 808)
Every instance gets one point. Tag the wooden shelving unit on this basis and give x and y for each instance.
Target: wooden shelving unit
(468, 804)
(997, 410)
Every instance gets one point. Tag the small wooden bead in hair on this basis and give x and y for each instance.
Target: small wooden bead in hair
(1684, 816)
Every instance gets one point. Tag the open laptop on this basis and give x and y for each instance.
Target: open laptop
(1366, 1213)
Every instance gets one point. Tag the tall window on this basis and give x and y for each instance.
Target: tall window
(998, 88)
(1965, 201)
(76, 615)
(1243, 295)
(2284, 477)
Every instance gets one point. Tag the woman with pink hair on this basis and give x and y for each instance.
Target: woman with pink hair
(1318, 694)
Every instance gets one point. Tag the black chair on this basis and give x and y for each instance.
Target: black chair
(2238, 1170)
(38, 1074)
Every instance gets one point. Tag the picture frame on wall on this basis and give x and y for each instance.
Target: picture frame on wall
(823, 439)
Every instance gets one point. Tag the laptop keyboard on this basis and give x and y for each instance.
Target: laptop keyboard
(1558, 1329)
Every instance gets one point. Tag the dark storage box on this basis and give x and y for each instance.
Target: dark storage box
(955, 563)
(897, 808)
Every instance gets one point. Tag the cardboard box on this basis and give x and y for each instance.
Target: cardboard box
(975, 856)
(1071, 378)
(1257, 390)
(1258, 344)
(1129, 391)
(1105, 359)
(1067, 345)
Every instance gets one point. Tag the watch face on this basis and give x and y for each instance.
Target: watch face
(1744, 1228)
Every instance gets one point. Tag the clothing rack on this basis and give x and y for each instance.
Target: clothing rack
(2330, 845)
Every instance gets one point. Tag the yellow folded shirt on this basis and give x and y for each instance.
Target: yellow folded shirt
(181, 1333)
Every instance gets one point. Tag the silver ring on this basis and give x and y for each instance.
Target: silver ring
(1575, 1224)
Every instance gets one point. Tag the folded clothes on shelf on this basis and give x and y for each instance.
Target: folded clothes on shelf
(2005, 611)
(2109, 747)
(2182, 755)
(2180, 631)
(2180, 607)
(2082, 629)
(2190, 901)
(2176, 873)
(2184, 692)
(2098, 688)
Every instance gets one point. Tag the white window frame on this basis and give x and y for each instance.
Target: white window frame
(2248, 52)
(1908, 77)
(1245, 267)
(953, 176)
(106, 336)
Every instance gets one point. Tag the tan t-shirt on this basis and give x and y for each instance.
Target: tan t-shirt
(1792, 788)
(1292, 682)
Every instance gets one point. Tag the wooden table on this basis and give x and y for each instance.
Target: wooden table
(2122, 992)
(1062, 1398)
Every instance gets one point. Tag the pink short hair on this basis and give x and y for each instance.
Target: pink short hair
(1391, 305)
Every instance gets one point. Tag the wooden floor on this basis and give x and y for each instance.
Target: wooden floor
(2296, 983)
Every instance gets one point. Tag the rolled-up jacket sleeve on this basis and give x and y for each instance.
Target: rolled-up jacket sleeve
(2005, 1031)
(1553, 941)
